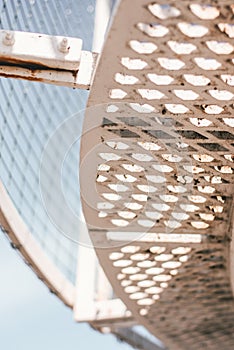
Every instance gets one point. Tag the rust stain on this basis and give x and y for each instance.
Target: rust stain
(74, 73)
(9, 61)
(33, 76)
(15, 76)
(30, 65)
(32, 71)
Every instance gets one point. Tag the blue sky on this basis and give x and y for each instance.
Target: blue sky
(33, 319)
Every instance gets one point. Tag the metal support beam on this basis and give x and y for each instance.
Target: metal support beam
(135, 339)
(47, 59)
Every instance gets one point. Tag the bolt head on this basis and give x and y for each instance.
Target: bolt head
(63, 46)
(8, 39)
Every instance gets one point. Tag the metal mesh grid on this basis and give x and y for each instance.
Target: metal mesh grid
(159, 153)
(31, 112)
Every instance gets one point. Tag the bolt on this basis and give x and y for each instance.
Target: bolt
(9, 39)
(63, 46)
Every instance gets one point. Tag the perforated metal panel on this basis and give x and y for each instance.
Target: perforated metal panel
(157, 147)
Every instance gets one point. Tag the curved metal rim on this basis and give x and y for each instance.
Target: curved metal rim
(26, 244)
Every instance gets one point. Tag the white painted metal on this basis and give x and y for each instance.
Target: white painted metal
(102, 17)
(43, 50)
(45, 58)
(93, 302)
(85, 308)
(80, 79)
(25, 243)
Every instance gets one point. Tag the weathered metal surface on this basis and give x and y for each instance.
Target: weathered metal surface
(79, 79)
(22, 240)
(158, 150)
(49, 51)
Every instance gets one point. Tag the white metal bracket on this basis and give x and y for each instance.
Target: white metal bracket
(45, 58)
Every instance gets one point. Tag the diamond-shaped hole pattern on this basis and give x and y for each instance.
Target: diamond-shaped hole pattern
(172, 169)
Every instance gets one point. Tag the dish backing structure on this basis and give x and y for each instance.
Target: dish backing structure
(156, 163)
